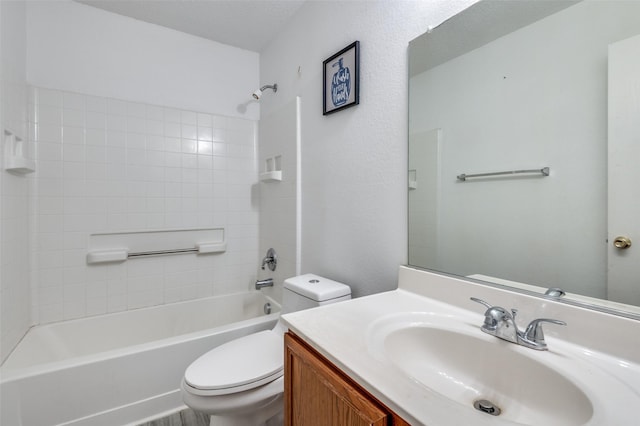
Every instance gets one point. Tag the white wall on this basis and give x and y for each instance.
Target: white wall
(354, 162)
(14, 217)
(278, 200)
(79, 48)
(509, 228)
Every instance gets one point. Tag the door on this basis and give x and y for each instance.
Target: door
(624, 171)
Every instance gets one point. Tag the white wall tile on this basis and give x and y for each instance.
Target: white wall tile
(49, 132)
(155, 112)
(108, 165)
(49, 115)
(173, 144)
(135, 109)
(155, 127)
(136, 125)
(116, 138)
(73, 117)
(96, 120)
(49, 97)
(95, 137)
(73, 100)
(188, 117)
(95, 154)
(189, 146)
(95, 104)
(73, 152)
(116, 122)
(172, 115)
(49, 151)
(189, 131)
(73, 135)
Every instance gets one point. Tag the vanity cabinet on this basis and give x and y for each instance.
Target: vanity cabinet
(316, 392)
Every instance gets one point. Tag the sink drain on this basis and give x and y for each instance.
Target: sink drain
(487, 407)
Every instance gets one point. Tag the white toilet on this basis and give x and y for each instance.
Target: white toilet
(240, 383)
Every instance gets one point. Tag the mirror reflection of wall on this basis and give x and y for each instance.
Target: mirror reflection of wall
(534, 98)
(423, 197)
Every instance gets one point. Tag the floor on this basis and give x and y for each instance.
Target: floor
(183, 418)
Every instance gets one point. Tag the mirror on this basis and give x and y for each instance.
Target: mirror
(510, 131)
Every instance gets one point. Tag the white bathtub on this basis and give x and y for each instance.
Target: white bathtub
(123, 368)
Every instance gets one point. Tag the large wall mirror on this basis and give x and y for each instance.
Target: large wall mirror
(524, 148)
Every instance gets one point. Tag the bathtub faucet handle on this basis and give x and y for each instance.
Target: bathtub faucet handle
(271, 260)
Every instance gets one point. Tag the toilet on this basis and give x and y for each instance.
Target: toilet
(241, 383)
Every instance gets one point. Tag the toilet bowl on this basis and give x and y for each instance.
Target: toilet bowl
(240, 383)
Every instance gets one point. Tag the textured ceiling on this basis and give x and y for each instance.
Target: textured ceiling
(247, 24)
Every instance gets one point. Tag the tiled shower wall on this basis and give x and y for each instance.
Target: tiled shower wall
(107, 165)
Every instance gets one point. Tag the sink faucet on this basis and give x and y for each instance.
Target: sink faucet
(501, 323)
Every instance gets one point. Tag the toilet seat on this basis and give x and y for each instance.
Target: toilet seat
(238, 365)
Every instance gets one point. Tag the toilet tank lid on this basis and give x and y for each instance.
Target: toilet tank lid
(316, 287)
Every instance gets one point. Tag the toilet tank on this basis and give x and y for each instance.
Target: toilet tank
(310, 290)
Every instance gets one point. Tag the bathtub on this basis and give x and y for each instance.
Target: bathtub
(122, 368)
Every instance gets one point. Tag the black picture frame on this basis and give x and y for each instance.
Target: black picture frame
(341, 87)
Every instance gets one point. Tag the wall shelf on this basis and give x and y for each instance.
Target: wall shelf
(15, 159)
(273, 169)
(272, 176)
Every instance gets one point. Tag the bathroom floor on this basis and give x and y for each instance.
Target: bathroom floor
(183, 418)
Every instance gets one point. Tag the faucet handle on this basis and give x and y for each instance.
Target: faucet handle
(482, 302)
(514, 312)
(271, 260)
(494, 316)
(534, 332)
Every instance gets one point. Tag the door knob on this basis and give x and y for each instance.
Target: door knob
(622, 242)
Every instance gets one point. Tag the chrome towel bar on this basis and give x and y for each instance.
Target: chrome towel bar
(544, 171)
(119, 255)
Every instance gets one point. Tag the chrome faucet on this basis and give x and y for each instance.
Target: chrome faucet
(501, 323)
(264, 283)
(270, 260)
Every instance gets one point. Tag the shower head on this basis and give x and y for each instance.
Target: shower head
(258, 93)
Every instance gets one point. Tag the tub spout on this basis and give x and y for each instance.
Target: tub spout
(264, 283)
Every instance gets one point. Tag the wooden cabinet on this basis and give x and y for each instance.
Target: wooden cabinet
(317, 393)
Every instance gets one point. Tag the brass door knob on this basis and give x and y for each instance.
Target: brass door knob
(622, 242)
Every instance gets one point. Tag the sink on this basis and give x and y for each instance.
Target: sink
(465, 365)
(420, 351)
(468, 369)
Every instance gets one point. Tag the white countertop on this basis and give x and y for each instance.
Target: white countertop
(340, 332)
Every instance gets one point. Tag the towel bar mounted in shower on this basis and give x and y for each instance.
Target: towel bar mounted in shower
(119, 255)
(544, 171)
(120, 246)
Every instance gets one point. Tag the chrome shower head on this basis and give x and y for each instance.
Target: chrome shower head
(258, 93)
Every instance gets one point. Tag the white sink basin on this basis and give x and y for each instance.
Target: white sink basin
(468, 369)
(454, 359)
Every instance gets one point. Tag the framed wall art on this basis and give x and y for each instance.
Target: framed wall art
(341, 79)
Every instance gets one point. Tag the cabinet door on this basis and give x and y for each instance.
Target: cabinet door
(316, 393)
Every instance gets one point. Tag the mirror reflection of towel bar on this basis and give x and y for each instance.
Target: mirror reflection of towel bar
(544, 171)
